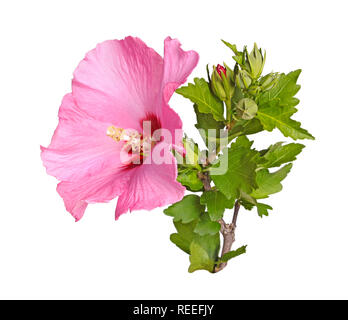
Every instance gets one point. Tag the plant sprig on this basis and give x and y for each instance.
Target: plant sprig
(233, 103)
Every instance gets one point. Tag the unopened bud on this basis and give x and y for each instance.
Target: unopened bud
(219, 69)
(246, 109)
(256, 61)
(217, 84)
(269, 80)
(243, 79)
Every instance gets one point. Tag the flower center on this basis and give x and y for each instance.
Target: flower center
(137, 145)
(134, 141)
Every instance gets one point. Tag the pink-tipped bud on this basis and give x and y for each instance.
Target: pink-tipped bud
(220, 68)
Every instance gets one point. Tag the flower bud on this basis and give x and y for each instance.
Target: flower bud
(222, 82)
(246, 109)
(268, 81)
(255, 61)
(219, 69)
(254, 90)
(217, 84)
(243, 80)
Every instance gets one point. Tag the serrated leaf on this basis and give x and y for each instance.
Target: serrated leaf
(279, 117)
(188, 177)
(245, 127)
(232, 254)
(240, 174)
(284, 91)
(277, 105)
(200, 94)
(269, 183)
(204, 252)
(262, 209)
(216, 203)
(184, 235)
(186, 210)
(279, 154)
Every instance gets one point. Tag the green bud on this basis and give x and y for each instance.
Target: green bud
(254, 90)
(222, 82)
(255, 61)
(192, 152)
(217, 85)
(246, 109)
(243, 80)
(269, 80)
(228, 82)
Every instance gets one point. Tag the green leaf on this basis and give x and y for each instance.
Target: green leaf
(277, 105)
(200, 94)
(233, 47)
(284, 91)
(245, 127)
(232, 254)
(188, 177)
(207, 227)
(184, 236)
(262, 209)
(239, 56)
(247, 201)
(186, 210)
(216, 203)
(279, 154)
(206, 121)
(279, 117)
(204, 252)
(240, 174)
(269, 183)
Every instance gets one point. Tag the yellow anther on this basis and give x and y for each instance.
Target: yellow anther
(132, 138)
(115, 133)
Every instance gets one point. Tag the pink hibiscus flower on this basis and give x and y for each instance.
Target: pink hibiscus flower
(119, 85)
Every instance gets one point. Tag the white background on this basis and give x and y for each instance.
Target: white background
(299, 251)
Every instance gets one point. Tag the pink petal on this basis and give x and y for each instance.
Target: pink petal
(178, 65)
(99, 188)
(119, 81)
(80, 146)
(151, 186)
